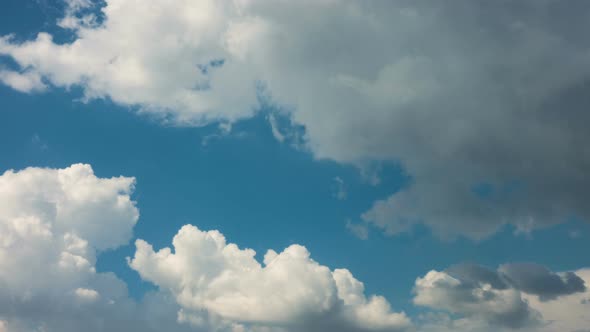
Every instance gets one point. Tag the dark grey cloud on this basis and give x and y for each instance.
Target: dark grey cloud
(508, 107)
(477, 274)
(470, 299)
(538, 280)
(529, 278)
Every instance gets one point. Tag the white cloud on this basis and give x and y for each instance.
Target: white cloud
(53, 222)
(86, 294)
(290, 290)
(72, 203)
(28, 81)
(276, 131)
(158, 56)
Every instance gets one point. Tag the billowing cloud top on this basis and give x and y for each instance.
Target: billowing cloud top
(52, 223)
(291, 290)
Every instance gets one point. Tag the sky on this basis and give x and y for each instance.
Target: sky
(294, 166)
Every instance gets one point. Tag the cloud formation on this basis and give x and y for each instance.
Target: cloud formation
(208, 275)
(500, 307)
(500, 297)
(538, 280)
(54, 223)
(460, 94)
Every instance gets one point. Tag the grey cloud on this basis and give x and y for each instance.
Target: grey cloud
(475, 274)
(529, 278)
(496, 297)
(508, 106)
(458, 93)
(538, 280)
(156, 312)
(465, 298)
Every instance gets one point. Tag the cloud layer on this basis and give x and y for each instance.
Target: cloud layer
(460, 94)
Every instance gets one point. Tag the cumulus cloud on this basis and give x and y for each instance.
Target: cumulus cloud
(459, 94)
(497, 297)
(209, 276)
(501, 307)
(54, 223)
(85, 210)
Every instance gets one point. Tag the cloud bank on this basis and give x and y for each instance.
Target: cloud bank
(460, 94)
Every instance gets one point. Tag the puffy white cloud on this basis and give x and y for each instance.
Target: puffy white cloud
(53, 222)
(290, 290)
(71, 203)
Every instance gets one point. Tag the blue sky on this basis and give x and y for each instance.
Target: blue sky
(265, 193)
